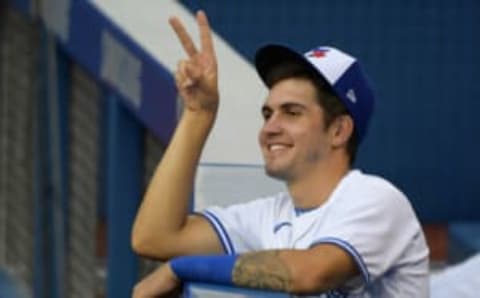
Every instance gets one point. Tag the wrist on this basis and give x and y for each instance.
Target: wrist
(199, 121)
(168, 267)
(200, 114)
(202, 107)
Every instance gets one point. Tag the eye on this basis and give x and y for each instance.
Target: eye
(293, 112)
(292, 109)
(266, 113)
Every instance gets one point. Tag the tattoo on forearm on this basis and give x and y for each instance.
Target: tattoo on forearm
(262, 270)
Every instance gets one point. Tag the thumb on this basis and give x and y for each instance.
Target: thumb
(193, 71)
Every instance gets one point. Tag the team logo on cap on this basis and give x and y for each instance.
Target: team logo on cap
(351, 95)
(318, 53)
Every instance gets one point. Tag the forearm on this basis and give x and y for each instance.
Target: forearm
(258, 270)
(262, 270)
(292, 271)
(164, 208)
(307, 271)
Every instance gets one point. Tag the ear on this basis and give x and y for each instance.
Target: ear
(341, 130)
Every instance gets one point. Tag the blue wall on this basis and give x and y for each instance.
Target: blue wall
(422, 58)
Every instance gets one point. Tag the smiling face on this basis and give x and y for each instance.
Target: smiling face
(293, 139)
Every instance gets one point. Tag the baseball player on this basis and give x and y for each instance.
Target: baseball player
(337, 232)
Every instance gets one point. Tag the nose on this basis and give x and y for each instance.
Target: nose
(272, 125)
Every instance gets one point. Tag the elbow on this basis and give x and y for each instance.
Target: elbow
(138, 244)
(148, 247)
(305, 284)
(138, 240)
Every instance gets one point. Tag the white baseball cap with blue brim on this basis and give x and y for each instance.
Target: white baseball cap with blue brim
(339, 69)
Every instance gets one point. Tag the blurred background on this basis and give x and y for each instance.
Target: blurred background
(88, 104)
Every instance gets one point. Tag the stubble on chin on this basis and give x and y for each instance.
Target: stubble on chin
(281, 175)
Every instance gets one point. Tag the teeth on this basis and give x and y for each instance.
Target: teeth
(276, 147)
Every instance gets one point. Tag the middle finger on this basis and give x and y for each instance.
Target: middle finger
(183, 36)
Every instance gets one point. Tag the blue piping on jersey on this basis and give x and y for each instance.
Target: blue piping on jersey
(221, 232)
(281, 225)
(350, 250)
(301, 211)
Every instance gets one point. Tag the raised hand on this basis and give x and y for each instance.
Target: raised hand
(197, 76)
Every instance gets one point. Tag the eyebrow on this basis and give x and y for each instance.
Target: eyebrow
(284, 106)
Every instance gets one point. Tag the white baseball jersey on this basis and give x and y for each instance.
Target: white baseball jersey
(365, 215)
(461, 280)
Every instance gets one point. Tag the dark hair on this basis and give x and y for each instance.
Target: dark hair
(326, 97)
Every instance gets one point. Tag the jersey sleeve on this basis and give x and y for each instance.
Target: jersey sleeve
(240, 227)
(376, 225)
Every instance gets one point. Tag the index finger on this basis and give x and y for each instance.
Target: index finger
(183, 36)
(205, 33)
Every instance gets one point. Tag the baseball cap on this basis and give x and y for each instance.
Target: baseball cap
(339, 69)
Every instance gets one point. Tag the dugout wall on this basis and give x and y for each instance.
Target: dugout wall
(73, 141)
(19, 83)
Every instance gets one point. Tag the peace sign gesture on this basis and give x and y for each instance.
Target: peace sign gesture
(197, 77)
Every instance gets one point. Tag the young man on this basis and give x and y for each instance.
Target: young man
(336, 232)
